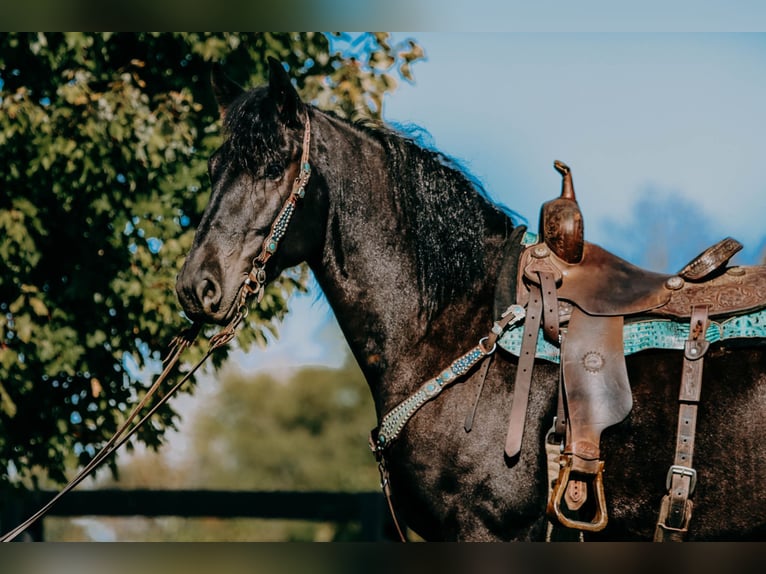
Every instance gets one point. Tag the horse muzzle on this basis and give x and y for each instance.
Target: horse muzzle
(203, 295)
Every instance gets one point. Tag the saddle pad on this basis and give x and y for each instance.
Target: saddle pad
(642, 334)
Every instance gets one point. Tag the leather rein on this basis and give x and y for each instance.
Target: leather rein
(253, 285)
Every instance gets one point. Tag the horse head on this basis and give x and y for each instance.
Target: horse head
(252, 176)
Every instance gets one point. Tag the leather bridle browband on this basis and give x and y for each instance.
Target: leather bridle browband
(254, 284)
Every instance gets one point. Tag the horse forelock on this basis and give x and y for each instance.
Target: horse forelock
(253, 135)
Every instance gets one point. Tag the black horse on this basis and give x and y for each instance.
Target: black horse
(407, 251)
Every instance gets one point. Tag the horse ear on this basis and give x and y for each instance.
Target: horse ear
(225, 89)
(282, 90)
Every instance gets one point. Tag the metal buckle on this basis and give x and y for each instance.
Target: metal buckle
(518, 312)
(682, 471)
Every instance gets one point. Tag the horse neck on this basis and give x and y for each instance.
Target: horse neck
(409, 256)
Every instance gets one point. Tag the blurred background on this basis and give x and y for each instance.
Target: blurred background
(106, 138)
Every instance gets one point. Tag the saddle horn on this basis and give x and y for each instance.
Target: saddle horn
(561, 224)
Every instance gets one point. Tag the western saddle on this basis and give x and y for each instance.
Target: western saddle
(580, 295)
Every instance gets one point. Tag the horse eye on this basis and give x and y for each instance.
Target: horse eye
(274, 171)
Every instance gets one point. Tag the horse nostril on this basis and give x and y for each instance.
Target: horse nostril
(209, 294)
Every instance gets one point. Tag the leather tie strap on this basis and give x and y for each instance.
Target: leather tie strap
(468, 424)
(524, 372)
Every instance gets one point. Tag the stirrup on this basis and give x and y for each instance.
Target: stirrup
(554, 504)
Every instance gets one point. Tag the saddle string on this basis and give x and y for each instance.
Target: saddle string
(468, 424)
(254, 284)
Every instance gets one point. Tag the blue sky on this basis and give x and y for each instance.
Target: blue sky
(678, 113)
(664, 134)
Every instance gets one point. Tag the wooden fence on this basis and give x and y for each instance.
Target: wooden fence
(367, 508)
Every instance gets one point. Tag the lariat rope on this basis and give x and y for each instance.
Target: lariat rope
(254, 284)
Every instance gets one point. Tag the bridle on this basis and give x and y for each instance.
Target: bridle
(253, 285)
(255, 282)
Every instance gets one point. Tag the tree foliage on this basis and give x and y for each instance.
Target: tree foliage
(308, 432)
(104, 140)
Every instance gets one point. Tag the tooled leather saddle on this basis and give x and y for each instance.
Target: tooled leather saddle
(582, 296)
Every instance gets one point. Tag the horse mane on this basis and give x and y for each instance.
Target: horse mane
(445, 212)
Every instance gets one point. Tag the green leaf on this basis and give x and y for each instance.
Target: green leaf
(24, 327)
(8, 357)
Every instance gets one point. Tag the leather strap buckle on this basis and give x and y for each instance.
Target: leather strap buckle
(681, 470)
